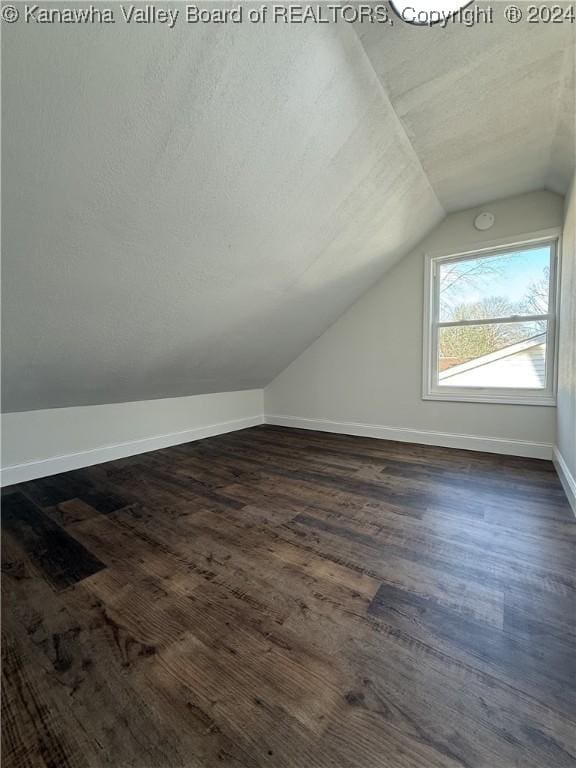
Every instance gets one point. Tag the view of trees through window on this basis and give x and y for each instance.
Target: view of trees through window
(491, 288)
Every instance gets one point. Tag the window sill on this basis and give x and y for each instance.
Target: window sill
(496, 398)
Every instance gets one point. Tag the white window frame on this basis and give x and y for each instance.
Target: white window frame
(430, 389)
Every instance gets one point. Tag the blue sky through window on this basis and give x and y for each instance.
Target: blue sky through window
(510, 276)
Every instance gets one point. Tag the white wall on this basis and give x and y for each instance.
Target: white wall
(566, 412)
(367, 368)
(44, 442)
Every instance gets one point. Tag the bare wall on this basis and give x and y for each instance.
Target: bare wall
(367, 367)
(44, 442)
(567, 369)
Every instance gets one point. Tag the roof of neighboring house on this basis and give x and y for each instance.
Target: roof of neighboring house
(495, 357)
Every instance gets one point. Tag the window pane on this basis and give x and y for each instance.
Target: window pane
(510, 355)
(512, 283)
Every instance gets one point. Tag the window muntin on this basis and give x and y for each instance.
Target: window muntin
(491, 325)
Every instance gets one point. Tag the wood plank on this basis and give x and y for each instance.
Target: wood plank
(61, 559)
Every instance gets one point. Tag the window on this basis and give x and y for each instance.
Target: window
(490, 325)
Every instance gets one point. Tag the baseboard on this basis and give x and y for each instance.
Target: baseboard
(19, 473)
(444, 439)
(566, 478)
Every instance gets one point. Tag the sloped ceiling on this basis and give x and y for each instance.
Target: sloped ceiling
(186, 210)
(489, 109)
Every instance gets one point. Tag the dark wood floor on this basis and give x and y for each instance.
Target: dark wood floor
(278, 597)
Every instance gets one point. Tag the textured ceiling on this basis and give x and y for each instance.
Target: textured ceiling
(488, 109)
(186, 210)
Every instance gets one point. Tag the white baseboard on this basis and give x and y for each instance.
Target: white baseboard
(447, 440)
(566, 478)
(19, 473)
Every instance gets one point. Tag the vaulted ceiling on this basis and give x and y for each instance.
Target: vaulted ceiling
(186, 210)
(489, 109)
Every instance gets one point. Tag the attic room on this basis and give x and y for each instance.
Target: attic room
(288, 423)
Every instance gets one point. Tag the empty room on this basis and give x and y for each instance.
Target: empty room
(288, 425)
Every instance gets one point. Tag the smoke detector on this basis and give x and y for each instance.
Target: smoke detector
(484, 220)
